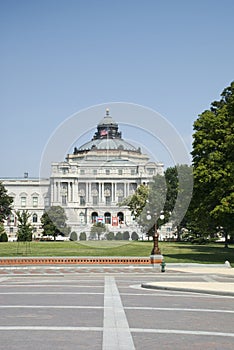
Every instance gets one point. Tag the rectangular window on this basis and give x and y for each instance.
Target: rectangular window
(11, 229)
(107, 172)
(23, 201)
(95, 200)
(82, 172)
(133, 172)
(82, 200)
(151, 171)
(120, 172)
(47, 202)
(108, 200)
(94, 171)
(35, 201)
(64, 200)
(120, 199)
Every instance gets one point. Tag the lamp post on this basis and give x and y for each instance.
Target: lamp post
(155, 250)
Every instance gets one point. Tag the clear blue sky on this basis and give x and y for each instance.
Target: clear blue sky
(60, 56)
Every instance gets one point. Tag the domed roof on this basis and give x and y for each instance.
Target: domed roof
(107, 137)
(108, 144)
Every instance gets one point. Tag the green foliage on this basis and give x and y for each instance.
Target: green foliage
(126, 236)
(154, 205)
(110, 236)
(3, 235)
(73, 236)
(213, 161)
(54, 222)
(119, 236)
(25, 229)
(5, 203)
(179, 180)
(134, 236)
(83, 236)
(2, 230)
(137, 201)
(98, 229)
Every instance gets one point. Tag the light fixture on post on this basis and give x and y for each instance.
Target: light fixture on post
(155, 256)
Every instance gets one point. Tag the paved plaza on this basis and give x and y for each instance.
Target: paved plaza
(106, 308)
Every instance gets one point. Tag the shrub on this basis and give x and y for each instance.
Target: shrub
(134, 236)
(83, 236)
(118, 236)
(73, 236)
(126, 235)
(3, 237)
(110, 236)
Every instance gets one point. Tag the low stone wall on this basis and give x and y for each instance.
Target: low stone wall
(77, 261)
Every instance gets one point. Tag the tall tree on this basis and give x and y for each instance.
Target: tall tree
(154, 205)
(98, 229)
(54, 222)
(213, 161)
(137, 202)
(5, 203)
(179, 181)
(25, 228)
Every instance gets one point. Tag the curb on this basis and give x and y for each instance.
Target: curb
(193, 290)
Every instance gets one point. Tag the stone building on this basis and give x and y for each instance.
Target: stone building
(89, 184)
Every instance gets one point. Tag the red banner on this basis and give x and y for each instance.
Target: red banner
(115, 221)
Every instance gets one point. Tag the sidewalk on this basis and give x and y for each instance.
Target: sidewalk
(207, 272)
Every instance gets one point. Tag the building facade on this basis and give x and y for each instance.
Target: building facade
(90, 184)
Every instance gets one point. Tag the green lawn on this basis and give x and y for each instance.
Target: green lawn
(173, 252)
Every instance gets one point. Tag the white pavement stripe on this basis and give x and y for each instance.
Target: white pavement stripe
(48, 285)
(49, 307)
(116, 332)
(177, 309)
(178, 331)
(49, 328)
(111, 345)
(103, 307)
(179, 294)
(50, 293)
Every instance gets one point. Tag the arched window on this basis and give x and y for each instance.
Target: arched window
(107, 217)
(121, 217)
(94, 216)
(34, 218)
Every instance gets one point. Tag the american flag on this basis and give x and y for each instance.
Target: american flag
(103, 132)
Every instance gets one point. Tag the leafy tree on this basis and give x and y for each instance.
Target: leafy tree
(134, 236)
(110, 236)
(5, 203)
(126, 236)
(154, 205)
(54, 222)
(83, 236)
(137, 201)
(73, 236)
(213, 162)
(25, 229)
(98, 229)
(179, 180)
